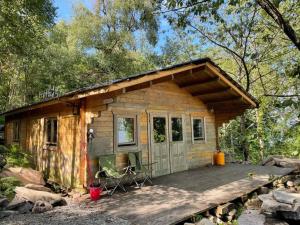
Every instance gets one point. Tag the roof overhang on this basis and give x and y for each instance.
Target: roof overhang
(201, 78)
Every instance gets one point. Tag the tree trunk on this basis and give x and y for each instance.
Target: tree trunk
(259, 128)
(245, 146)
(278, 18)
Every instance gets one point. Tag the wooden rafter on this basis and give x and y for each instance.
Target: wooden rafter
(228, 100)
(194, 84)
(211, 92)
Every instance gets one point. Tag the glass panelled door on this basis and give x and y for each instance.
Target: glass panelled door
(177, 143)
(160, 144)
(167, 144)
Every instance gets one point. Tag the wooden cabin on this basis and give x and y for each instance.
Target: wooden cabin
(170, 115)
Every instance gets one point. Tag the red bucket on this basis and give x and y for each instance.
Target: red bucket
(95, 193)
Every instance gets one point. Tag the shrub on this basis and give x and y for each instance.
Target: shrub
(7, 186)
(15, 156)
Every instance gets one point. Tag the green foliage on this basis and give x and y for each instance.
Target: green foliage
(15, 156)
(7, 186)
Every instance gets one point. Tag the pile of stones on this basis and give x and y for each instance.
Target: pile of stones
(32, 198)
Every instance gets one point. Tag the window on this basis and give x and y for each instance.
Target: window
(159, 129)
(176, 129)
(126, 131)
(198, 129)
(51, 131)
(16, 130)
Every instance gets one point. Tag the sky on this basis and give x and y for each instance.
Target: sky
(65, 8)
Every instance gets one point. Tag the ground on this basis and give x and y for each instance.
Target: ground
(66, 215)
(172, 198)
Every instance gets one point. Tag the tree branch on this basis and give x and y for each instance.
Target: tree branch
(272, 11)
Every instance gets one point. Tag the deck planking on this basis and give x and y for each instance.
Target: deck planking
(176, 197)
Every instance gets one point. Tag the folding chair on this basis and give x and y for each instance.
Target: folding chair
(139, 170)
(109, 175)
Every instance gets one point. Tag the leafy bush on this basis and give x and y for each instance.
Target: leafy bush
(15, 156)
(7, 186)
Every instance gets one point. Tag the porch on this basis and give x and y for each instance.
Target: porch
(176, 197)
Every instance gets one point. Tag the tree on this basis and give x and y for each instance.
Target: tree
(273, 12)
(22, 25)
(258, 53)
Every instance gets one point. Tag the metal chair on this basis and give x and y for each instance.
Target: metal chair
(108, 175)
(139, 170)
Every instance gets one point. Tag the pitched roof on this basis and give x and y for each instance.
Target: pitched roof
(75, 94)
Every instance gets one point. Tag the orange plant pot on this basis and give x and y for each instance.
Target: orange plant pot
(219, 158)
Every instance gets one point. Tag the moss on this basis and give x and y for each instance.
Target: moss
(8, 185)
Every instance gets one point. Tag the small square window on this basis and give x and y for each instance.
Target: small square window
(198, 129)
(51, 131)
(16, 130)
(126, 131)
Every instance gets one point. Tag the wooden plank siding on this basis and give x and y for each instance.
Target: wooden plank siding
(164, 97)
(61, 163)
(66, 164)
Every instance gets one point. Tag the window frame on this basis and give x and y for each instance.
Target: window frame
(51, 142)
(171, 128)
(16, 135)
(135, 131)
(201, 139)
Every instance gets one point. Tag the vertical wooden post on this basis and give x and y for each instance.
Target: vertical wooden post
(83, 144)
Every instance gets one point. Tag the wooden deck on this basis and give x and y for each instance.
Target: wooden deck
(176, 197)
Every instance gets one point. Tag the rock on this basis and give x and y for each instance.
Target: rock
(37, 187)
(219, 221)
(228, 218)
(189, 224)
(212, 219)
(205, 221)
(297, 182)
(61, 202)
(281, 186)
(25, 175)
(263, 190)
(33, 195)
(289, 215)
(6, 213)
(3, 202)
(251, 217)
(274, 221)
(224, 209)
(284, 179)
(290, 183)
(26, 208)
(16, 203)
(232, 212)
(285, 197)
(271, 205)
(254, 203)
(41, 207)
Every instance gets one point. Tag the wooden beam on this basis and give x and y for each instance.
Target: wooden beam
(211, 92)
(194, 84)
(214, 101)
(216, 71)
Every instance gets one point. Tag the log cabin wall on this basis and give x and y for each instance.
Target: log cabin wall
(59, 163)
(165, 97)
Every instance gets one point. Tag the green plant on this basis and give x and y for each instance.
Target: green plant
(7, 186)
(197, 217)
(16, 157)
